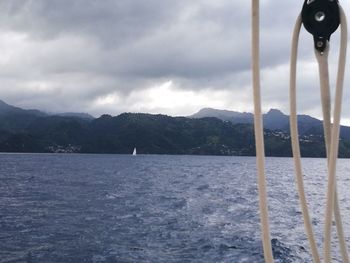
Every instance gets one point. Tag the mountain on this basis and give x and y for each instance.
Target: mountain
(9, 109)
(14, 119)
(150, 134)
(274, 120)
(80, 115)
(225, 115)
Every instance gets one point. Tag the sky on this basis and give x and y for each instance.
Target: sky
(154, 56)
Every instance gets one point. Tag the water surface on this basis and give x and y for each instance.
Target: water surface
(149, 208)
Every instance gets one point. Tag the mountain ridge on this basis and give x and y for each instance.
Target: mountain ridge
(23, 131)
(274, 119)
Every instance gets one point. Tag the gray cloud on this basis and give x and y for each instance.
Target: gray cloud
(110, 19)
(79, 55)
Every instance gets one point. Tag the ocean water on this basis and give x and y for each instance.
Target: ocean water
(149, 208)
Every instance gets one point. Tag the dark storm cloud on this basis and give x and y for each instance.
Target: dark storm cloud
(142, 38)
(62, 54)
(109, 20)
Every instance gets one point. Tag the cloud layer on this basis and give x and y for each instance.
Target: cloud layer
(171, 57)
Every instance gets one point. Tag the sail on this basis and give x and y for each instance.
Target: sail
(134, 152)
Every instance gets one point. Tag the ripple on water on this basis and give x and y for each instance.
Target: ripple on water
(114, 208)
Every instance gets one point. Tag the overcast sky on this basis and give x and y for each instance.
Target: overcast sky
(156, 56)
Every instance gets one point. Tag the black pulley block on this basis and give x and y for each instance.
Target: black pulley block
(321, 18)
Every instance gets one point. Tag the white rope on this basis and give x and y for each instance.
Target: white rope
(331, 141)
(259, 135)
(295, 143)
(322, 60)
(334, 145)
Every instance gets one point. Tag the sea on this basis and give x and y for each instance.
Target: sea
(157, 208)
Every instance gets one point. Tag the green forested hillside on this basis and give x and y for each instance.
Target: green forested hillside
(151, 134)
(35, 131)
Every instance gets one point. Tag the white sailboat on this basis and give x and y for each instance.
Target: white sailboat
(134, 152)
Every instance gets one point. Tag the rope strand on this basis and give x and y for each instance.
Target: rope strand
(259, 136)
(331, 141)
(334, 146)
(322, 60)
(295, 143)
